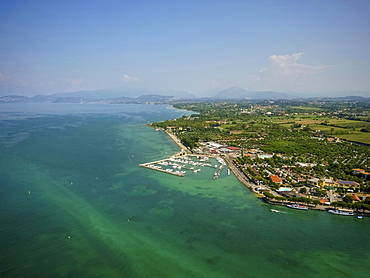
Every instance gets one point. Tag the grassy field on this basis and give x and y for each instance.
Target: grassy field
(305, 108)
(361, 137)
(341, 128)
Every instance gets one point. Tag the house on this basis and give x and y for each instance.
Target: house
(355, 198)
(357, 171)
(326, 182)
(360, 171)
(313, 181)
(275, 179)
(236, 131)
(347, 184)
(333, 139)
(360, 196)
(255, 171)
(215, 145)
(233, 148)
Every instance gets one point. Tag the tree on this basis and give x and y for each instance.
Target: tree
(348, 199)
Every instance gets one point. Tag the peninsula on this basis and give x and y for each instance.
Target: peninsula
(313, 153)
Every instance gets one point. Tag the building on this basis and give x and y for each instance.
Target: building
(360, 172)
(347, 184)
(313, 181)
(326, 183)
(234, 148)
(275, 179)
(236, 131)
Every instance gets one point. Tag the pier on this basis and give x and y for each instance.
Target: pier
(219, 171)
(151, 166)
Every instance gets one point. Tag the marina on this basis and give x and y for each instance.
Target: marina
(180, 164)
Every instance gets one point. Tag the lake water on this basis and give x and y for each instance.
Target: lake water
(75, 203)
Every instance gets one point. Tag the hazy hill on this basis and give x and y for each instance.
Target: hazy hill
(125, 92)
(239, 93)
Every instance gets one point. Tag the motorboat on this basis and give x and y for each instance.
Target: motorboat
(297, 206)
(341, 211)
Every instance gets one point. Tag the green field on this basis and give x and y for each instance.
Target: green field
(361, 137)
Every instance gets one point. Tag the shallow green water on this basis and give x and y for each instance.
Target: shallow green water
(70, 181)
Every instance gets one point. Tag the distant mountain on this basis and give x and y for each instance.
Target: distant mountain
(239, 93)
(346, 98)
(124, 92)
(71, 98)
(128, 95)
(122, 95)
(155, 98)
(13, 98)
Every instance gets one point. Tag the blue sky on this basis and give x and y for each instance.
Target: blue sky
(281, 45)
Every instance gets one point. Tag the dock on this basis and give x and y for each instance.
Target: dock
(151, 166)
(219, 171)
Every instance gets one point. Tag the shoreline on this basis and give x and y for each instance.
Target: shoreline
(178, 142)
(250, 185)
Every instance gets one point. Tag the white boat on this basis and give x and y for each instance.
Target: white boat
(275, 210)
(297, 206)
(341, 211)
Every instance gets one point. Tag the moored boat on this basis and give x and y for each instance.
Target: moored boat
(297, 206)
(341, 211)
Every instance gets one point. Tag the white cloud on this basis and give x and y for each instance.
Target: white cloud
(130, 79)
(285, 72)
(287, 65)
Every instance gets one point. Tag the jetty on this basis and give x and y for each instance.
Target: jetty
(167, 171)
(219, 170)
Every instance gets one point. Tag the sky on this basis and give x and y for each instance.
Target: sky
(300, 46)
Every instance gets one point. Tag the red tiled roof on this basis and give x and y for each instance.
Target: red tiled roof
(275, 179)
(233, 148)
(358, 170)
(355, 198)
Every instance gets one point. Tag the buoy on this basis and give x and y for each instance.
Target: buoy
(69, 237)
(128, 220)
(29, 192)
(71, 182)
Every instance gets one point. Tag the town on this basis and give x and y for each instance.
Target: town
(315, 153)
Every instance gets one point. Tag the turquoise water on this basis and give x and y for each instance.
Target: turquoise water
(75, 203)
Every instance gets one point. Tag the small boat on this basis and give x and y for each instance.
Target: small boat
(297, 206)
(341, 211)
(359, 216)
(275, 210)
